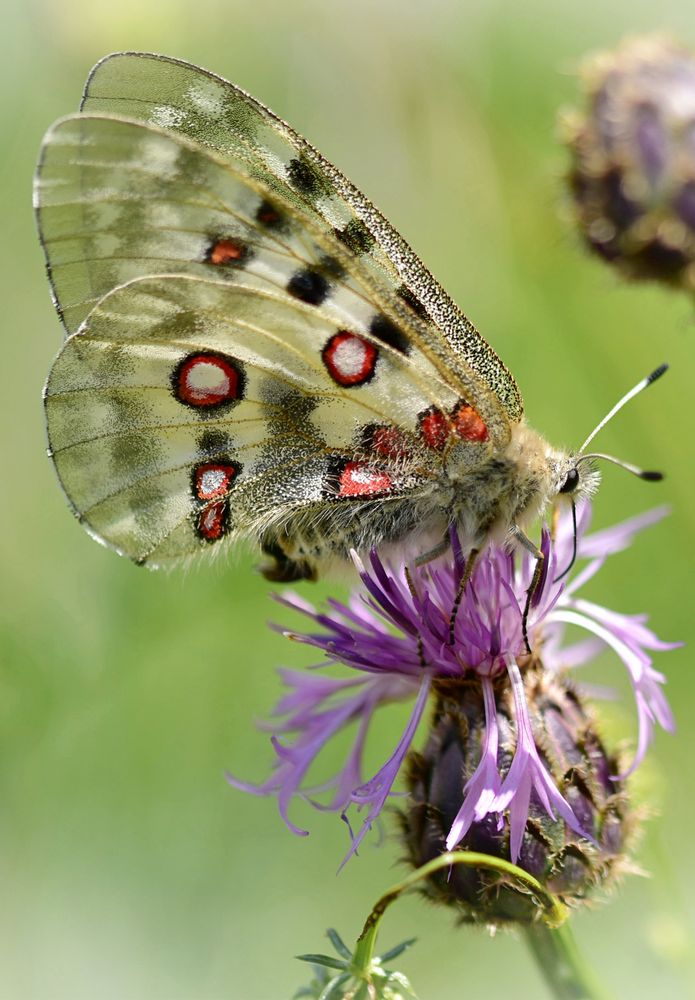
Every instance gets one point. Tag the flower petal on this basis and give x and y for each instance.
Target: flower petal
(528, 773)
(375, 791)
(483, 787)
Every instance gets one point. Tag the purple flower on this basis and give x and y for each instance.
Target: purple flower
(411, 629)
(627, 635)
(526, 775)
(632, 159)
(482, 791)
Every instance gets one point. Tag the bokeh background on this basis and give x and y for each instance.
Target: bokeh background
(128, 868)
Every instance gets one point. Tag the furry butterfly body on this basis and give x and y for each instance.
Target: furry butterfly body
(253, 351)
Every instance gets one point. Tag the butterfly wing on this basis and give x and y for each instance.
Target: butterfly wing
(178, 416)
(176, 95)
(286, 384)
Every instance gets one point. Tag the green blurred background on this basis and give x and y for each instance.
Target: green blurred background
(128, 868)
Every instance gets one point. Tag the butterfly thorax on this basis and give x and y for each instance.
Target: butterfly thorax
(509, 487)
(514, 487)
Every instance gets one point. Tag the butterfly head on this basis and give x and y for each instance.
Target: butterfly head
(546, 476)
(576, 478)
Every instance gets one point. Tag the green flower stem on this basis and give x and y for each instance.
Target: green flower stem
(555, 911)
(559, 961)
(550, 938)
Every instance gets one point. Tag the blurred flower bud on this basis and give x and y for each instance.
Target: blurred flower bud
(632, 178)
(567, 865)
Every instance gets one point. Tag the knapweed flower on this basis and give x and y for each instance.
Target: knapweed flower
(632, 178)
(568, 831)
(512, 765)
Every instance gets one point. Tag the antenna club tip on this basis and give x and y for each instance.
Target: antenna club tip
(651, 476)
(657, 373)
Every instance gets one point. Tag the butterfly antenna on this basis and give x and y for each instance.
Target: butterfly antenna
(645, 382)
(650, 475)
(647, 474)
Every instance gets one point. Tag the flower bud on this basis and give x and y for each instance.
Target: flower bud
(632, 175)
(568, 865)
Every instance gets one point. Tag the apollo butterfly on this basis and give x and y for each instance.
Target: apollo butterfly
(253, 351)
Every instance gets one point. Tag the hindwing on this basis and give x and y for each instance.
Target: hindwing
(185, 410)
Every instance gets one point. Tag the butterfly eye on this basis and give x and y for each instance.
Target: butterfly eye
(570, 484)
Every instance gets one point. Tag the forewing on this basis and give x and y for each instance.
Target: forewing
(187, 411)
(176, 95)
(119, 200)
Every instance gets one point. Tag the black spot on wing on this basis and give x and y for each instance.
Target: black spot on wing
(331, 267)
(308, 286)
(388, 333)
(413, 301)
(306, 178)
(270, 216)
(213, 443)
(356, 237)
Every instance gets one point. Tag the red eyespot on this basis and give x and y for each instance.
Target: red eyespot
(465, 422)
(468, 423)
(268, 215)
(213, 522)
(435, 428)
(350, 360)
(213, 480)
(357, 479)
(207, 380)
(226, 251)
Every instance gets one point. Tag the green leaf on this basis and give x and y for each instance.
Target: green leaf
(339, 944)
(327, 960)
(334, 990)
(397, 950)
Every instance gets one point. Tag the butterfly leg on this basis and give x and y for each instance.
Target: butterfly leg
(531, 547)
(467, 574)
(284, 569)
(439, 549)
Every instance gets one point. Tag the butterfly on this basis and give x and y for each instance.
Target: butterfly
(253, 351)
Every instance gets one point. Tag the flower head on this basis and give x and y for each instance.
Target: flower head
(412, 632)
(632, 178)
(553, 769)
